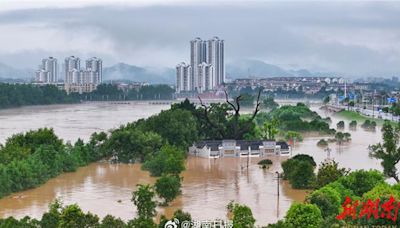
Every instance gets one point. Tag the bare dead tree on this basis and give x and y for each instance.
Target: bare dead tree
(213, 125)
(237, 101)
(237, 130)
(250, 121)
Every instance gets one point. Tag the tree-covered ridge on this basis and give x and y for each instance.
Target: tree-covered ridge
(146, 92)
(15, 95)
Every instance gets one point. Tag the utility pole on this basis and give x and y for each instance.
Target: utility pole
(277, 179)
(328, 153)
(373, 105)
(248, 158)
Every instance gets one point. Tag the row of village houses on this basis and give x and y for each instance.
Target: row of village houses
(239, 148)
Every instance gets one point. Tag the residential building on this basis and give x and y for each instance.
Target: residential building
(47, 72)
(215, 57)
(206, 77)
(207, 67)
(41, 76)
(70, 64)
(82, 80)
(198, 55)
(95, 66)
(183, 77)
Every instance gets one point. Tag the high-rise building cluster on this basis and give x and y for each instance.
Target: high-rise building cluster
(48, 71)
(82, 80)
(75, 78)
(206, 70)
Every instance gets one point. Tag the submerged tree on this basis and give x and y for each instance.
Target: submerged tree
(388, 152)
(329, 172)
(242, 216)
(270, 104)
(168, 187)
(270, 129)
(143, 198)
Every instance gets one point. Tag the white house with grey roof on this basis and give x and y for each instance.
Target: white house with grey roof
(239, 148)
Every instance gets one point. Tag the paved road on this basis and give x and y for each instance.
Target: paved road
(371, 113)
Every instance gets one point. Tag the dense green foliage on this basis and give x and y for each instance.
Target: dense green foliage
(341, 137)
(269, 129)
(327, 199)
(293, 136)
(15, 95)
(389, 151)
(333, 185)
(299, 170)
(369, 125)
(361, 181)
(265, 163)
(304, 215)
(178, 127)
(147, 92)
(131, 144)
(143, 198)
(242, 217)
(247, 100)
(71, 216)
(340, 125)
(322, 143)
(297, 118)
(353, 125)
(168, 160)
(220, 121)
(269, 103)
(329, 172)
(30, 159)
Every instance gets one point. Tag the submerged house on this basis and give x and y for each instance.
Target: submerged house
(238, 148)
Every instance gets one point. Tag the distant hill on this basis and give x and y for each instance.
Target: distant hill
(123, 71)
(250, 68)
(301, 73)
(254, 69)
(8, 72)
(238, 69)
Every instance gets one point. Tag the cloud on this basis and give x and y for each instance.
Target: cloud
(353, 38)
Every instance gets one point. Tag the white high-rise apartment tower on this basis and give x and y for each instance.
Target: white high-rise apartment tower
(183, 77)
(215, 57)
(94, 65)
(48, 71)
(207, 66)
(198, 55)
(50, 65)
(206, 77)
(70, 64)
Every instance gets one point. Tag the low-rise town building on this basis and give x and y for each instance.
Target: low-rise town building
(239, 148)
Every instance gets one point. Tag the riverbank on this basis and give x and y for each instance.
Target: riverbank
(352, 115)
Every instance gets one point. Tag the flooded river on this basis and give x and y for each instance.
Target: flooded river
(208, 185)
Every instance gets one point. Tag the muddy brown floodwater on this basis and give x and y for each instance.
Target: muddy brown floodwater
(208, 184)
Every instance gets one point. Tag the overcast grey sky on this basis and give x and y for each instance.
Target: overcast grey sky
(353, 38)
